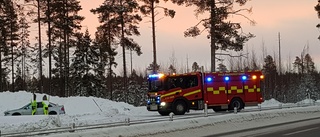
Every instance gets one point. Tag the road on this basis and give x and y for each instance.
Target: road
(300, 125)
(308, 128)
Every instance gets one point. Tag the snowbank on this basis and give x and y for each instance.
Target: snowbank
(84, 111)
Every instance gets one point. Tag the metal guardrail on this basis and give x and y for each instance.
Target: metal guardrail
(127, 122)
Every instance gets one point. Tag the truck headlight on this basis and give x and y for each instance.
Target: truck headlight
(162, 103)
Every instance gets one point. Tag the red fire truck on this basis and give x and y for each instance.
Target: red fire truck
(178, 93)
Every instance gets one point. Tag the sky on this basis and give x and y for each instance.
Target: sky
(295, 20)
(83, 112)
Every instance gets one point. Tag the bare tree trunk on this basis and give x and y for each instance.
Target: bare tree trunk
(40, 51)
(212, 29)
(49, 44)
(154, 69)
(11, 39)
(124, 57)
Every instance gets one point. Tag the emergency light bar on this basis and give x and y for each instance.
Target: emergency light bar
(156, 75)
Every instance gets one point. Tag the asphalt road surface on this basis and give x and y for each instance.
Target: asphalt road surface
(308, 128)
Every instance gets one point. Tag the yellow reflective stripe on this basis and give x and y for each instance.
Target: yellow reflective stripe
(254, 86)
(216, 92)
(258, 89)
(171, 93)
(246, 87)
(222, 88)
(210, 89)
(239, 91)
(251, 90)
(229, 91)
(234, 87)
(193, 92)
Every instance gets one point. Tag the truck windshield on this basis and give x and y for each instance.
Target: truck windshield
(155, 85)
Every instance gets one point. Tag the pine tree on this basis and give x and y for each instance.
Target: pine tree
(317, 9)
(25, 52)
(172, 69)
(223, 34)
(222, 67)
(195, 67)
(307, 81)
(65, 23)
(137, 89)
(105, 42)
(148, 8)
(83, 67)
(123, 16)
(8, 38)
(270, 71)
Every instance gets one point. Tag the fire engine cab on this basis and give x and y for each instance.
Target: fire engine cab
(178, 93)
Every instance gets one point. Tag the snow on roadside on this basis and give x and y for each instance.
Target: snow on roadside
(219, 124)
(84, 111)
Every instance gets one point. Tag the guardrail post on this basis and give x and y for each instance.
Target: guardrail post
(205, 109)
(235, 110)
(127, 120)
(58, 120)
(259, 107)
(280, 106)
(171, 116)
(73, 125)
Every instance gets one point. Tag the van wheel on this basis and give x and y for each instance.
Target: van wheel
(236, 102)
(180, 108)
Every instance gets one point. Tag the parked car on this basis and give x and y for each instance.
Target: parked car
(54, 109)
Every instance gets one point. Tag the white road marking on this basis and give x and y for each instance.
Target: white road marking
(288, 134)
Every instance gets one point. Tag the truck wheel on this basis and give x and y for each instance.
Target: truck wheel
(179, 108)
(236, 103)
(164, 113)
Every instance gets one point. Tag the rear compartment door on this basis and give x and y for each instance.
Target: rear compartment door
(216, 91)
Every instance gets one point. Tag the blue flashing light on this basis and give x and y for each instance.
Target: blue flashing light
(209, 79)
(158, 97)
(227, 78)
(156, 76)
(158, 101)
(244, 77)
(153, 76)
(148, 102)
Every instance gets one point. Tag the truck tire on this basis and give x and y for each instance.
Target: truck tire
(164, 113)
(236, 102)
(180, 108)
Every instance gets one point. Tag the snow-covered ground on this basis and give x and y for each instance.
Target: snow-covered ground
(84, 111)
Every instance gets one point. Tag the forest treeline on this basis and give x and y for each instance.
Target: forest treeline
(79, 65)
